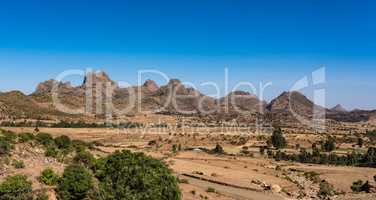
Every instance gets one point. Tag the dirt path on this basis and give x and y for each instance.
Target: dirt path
(236, 193)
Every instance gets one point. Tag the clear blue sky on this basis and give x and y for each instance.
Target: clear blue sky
(259, 41)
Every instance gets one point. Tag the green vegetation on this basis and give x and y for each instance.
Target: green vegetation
(44, 139)
(16, 188)
(85, 159)
(63, 142)
(41, 195)
(312, 176)
(218, 149)
(326, 190)
(127, 175)
(75, 183)
(278, 140)
(329, 145)
(25, 137)
(51, 152)
(49, 177)
(360, 186)
(19, 164)
(367, 159)
(5, 146)
(210, 190)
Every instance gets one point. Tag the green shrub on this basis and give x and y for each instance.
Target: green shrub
(210, 190)
(80, 145)
(63, 142)
(75, 183)
(5, 146)
(359, 186)
(85, 159)
(41, 195)
(16, 188)
(9, 136)
(278, 140)
(185, 181)
(19, 164)
(329, 145)
(25, 137)
(51, 152)
(44, 139)
(218, 149)
(312, 176)
(326, 189)
(135, 176)
(49, 177)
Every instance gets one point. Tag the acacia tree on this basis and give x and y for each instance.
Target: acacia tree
(278, 140)
(75, 183)
(127, 175)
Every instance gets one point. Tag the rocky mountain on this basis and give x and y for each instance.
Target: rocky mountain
(292, 105)
(177, 98)
(338, 108)
(97, 89)
(243, 102)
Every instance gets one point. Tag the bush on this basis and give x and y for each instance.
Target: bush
(80, 145)
(278, 140)
(359, 186)
(63, 142)
(85, 159)
(19, 164)
(16, 188)
(75, 183)
(44, 139)
(326, 189)
(25, 137)
(128, 175)
(5, 146)
(41, 195)
(329, 145)
(210, 190)
(218, 150)
(51, 152)
(49, 177)
(9, 136)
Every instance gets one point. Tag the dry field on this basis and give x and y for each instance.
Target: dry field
(232, 176)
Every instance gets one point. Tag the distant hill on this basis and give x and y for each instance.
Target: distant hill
(173, 98)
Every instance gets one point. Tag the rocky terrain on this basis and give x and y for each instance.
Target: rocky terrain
(174, 98)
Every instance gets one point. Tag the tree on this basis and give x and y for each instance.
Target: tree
(218, 149)
(63, 142)
(127, 175)
(75, 183)
(278, 140)
(329, 145)
(16, 188)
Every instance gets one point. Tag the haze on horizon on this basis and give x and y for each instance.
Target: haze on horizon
(194, 41)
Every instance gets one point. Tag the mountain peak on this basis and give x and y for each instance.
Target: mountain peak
(47, 86)
(339, 108)
(151, 85)
(98, 77)
(174, 82)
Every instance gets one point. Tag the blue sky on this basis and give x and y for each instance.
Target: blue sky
(258, 41)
